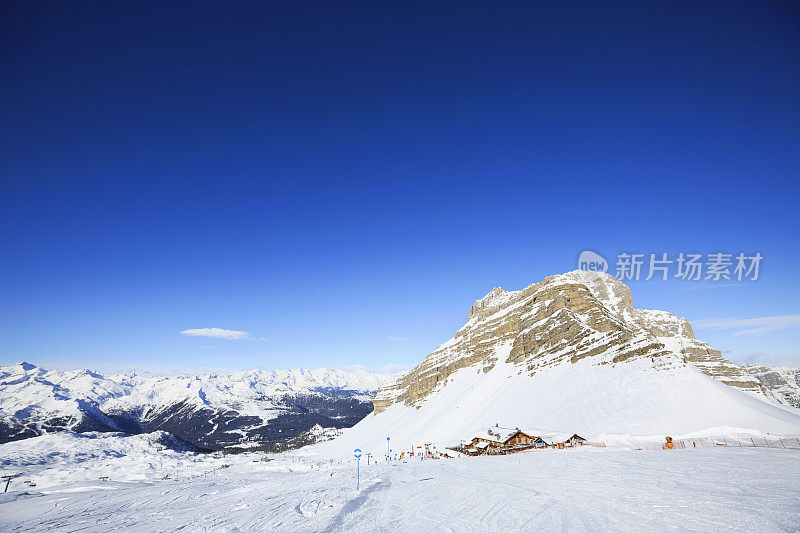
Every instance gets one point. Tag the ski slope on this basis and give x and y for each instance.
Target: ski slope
(576, 490)
(64, 457)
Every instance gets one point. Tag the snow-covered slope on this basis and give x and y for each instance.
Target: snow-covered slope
(568, 354)
(65, 457)
(241, 409)
(703, 489)
(633, 398)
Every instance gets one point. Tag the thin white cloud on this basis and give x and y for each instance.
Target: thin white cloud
(750, 326)
(773, 360)
(390, 368)
(217, 333)
(396, 339)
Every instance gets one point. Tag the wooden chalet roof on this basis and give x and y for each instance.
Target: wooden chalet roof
(497, 434)
(500, 435)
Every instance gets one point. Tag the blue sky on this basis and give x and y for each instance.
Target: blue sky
(342, 181)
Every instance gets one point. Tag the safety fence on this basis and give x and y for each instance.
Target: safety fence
(595, 444)
(767, 441)
(561, 446)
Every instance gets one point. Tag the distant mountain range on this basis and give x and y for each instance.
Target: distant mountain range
(249, 410)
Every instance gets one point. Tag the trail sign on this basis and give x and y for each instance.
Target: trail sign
(357, 455)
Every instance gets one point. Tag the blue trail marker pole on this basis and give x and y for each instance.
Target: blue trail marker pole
(357, 455)
(388, 451)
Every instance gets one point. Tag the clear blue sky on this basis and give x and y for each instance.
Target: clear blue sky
(342, 180)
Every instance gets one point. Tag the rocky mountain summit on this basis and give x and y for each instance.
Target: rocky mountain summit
(565, 319)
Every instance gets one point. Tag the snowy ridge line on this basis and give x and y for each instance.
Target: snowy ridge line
(26, 386)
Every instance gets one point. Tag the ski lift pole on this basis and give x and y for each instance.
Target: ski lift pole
(8, 479)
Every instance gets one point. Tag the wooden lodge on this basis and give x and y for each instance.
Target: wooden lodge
(499, 441)
(563, 440)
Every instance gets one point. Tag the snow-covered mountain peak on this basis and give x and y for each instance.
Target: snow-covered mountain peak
(22, 366)
(615, 295)
(580, 334)
(494, 300)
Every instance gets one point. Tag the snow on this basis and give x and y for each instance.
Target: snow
(630, 398)
(494, 434)
(552, 437)
(59, 458)
(105, 481)
(747, 489)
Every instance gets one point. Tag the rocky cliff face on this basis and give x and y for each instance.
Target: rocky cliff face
(782, 384)
(563, 319)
